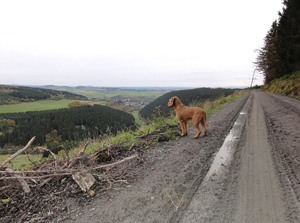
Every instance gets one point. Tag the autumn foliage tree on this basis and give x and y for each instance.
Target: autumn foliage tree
(76, 104)
(267, 57)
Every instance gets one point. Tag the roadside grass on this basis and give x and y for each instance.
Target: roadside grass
(287, 85)
(40, 105)
(211, 107)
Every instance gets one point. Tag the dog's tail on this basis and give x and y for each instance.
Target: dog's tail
(205, 121)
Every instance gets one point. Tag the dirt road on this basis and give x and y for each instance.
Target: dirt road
(254, 178)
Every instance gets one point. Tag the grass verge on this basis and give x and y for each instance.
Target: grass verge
(288, 85)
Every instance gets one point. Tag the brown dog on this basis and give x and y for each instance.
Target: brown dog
(184, 114)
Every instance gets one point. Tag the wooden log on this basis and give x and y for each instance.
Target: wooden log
(25, 186)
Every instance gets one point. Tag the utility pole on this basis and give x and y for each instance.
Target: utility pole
(252, 78)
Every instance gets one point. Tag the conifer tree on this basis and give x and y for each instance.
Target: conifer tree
(280, 54)
(288, 43)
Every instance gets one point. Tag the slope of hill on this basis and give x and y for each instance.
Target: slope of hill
(287, 85)
(186, 97)
(17, 94)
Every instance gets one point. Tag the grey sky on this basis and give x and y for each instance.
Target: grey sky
(132, 43)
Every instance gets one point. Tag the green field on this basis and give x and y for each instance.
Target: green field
(20, 161)
(40, 105)
(106, 93)
(137, 118)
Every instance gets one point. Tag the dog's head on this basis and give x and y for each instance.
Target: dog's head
(172, 101)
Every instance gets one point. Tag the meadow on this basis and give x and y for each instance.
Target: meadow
(107, 93)
(40, 105)
(20, 161)
(137, 118)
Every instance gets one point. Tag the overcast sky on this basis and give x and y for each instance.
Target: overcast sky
(166, 43)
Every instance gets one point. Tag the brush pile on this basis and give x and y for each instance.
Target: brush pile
(36, 194)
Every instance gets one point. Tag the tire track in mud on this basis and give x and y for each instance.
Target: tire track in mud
(283, 121)
(203, 205)
(259, 197)
(191, 193)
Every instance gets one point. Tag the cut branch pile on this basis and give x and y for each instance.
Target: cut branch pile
(26, 195)
(99, 172)
(58, 168)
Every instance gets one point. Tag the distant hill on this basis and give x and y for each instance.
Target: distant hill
(17, 94)
(139, 89)
(186, 97)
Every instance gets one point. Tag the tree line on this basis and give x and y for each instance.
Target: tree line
(17, 94)
(55, 127)
(280, 54)
(186, 97)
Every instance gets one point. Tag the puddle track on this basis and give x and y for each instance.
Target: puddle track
(200, 209)
(224, 156)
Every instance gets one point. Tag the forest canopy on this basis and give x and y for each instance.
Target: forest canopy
(71, 124)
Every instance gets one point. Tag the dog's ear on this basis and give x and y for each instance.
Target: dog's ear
(172, 102)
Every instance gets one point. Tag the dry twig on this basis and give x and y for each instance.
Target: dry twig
(67, 153)
(116, 163)
(42, 148)
(17, 153)
(181, 201)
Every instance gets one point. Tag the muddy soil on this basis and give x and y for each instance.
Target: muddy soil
(259, 184)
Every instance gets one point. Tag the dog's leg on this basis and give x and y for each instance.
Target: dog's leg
(183, 125)
(186, 127)
(196, 124)
(203, 125)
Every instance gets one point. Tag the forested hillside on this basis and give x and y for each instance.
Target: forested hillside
(280, 54)
(58, 126)
(186, 97)
(17, 94)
